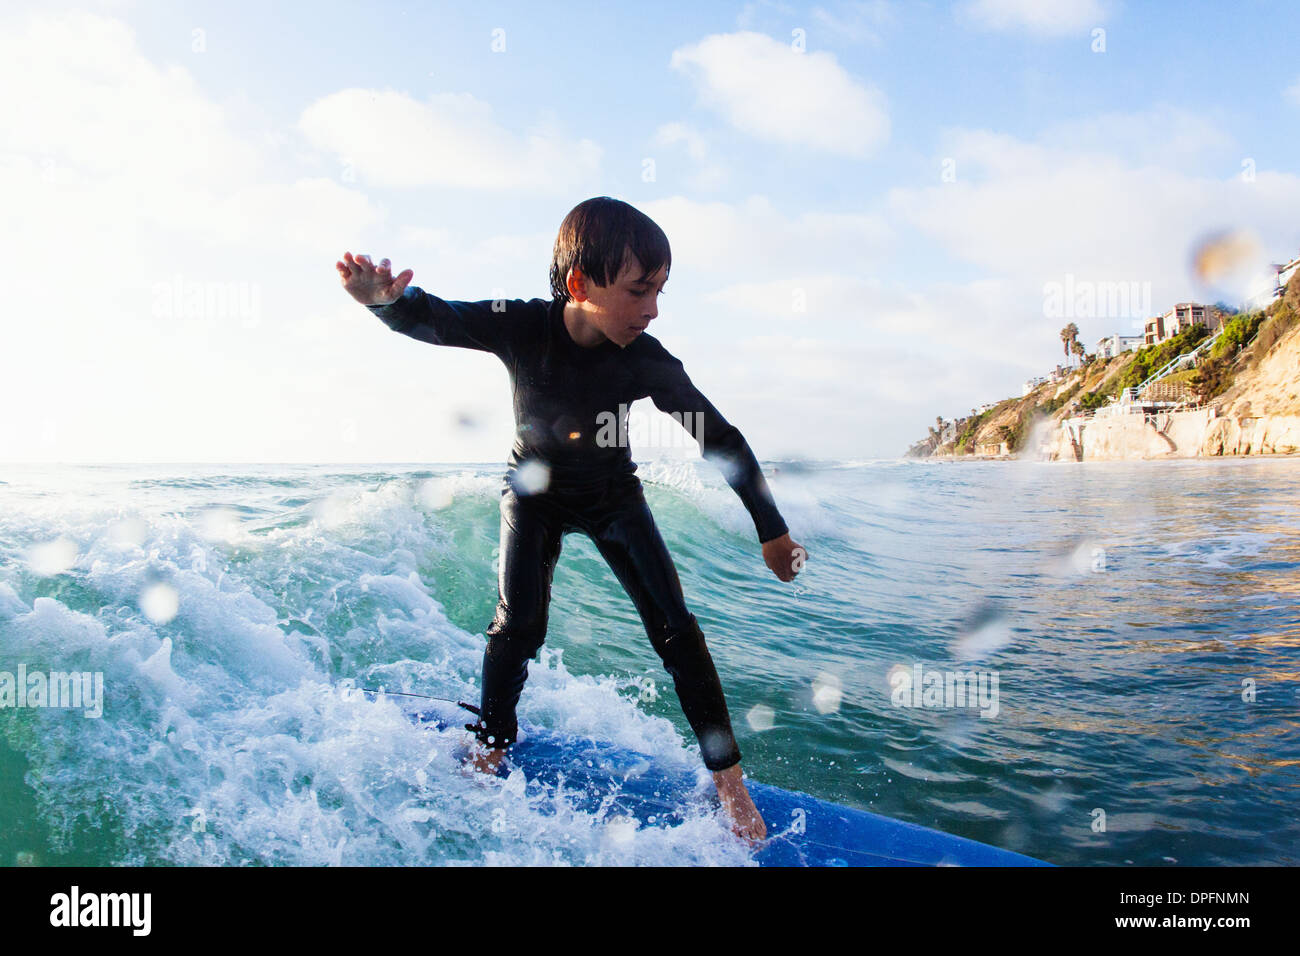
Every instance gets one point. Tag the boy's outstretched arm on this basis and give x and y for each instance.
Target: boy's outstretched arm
(671, 390)
(487, 326)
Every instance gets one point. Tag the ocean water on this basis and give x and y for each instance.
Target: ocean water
(1141, 620)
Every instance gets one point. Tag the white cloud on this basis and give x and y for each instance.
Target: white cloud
(770, 91)
(1090, 197)
(866, 374)
(1162, 135)
(708, 173)
(111, 147)
(987, 320)
(802, 299)
(750, 240)
(81, 94)
(448, 264)
(1042, 17)
(122, 179)
(863, 360)
(451, 139)
(1101, 198)
(1292, 93)
(1039, 212)
(866, 363)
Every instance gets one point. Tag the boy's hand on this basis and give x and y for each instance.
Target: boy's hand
(371, 284)
(784, 557)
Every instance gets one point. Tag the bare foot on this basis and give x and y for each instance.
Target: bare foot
(746, 821)
(483, 760)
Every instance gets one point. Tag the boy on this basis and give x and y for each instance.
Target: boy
(575, 362)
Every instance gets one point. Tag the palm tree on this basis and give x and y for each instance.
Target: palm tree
(1077, 348)
(1069, 335)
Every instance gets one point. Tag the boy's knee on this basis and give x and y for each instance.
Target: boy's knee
(515, 635)
(682, 645)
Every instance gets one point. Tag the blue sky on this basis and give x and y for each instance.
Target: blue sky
(865, 201)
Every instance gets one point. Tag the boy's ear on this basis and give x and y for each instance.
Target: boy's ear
(576, 283)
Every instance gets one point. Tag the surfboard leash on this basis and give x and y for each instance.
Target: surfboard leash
(446, 700)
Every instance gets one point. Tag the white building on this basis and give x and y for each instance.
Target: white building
(1031, 384)
(1284, 273)
(1274, 286)
(1112, 345)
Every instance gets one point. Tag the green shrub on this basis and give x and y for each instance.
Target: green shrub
(1094, 400)
(1237, 333)
(1151, 358)
(1215, 375)
(1274, 327)
(1024, 424)
(1052, 404)
(966, 437)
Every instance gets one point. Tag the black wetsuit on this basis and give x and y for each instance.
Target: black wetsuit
(570, 406)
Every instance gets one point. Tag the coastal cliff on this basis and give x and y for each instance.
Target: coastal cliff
(1243, 398)
(1259, 414)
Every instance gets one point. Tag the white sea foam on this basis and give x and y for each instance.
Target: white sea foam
(225, 738)
(801, 496)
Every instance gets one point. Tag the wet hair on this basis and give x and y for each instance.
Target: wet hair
(596, 237)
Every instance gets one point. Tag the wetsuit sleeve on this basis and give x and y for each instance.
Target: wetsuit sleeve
(466, 325)
(720, 442)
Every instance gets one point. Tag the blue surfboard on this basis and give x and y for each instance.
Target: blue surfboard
(802, 830)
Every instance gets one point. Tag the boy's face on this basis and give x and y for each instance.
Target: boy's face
(623, 309)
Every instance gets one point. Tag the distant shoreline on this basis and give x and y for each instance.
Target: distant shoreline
(952, 459)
